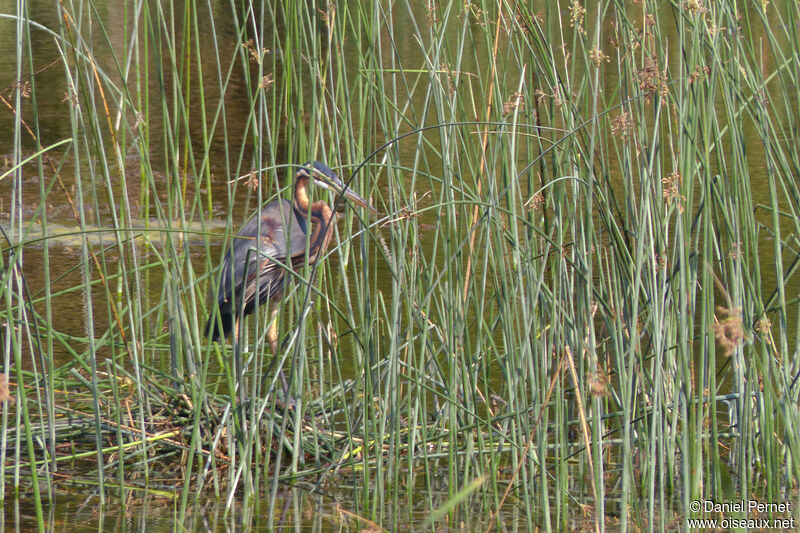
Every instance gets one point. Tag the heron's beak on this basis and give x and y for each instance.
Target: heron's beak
(353, 195)
(334, 184)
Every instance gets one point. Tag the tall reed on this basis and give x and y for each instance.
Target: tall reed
(576, 307)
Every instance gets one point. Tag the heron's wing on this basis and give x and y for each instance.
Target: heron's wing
(254, 261)
(268, 244)
(321, 229)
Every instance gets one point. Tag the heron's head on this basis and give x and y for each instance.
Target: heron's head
(321, 175)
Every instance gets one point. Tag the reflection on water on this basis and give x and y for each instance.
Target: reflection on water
(295, 509)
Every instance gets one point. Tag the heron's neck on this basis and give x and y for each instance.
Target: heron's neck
(300, 202)
(320, 210)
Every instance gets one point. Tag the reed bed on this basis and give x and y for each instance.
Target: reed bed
(577, 307)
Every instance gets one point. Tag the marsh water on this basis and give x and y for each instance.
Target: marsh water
(76, 503)
(64, 236)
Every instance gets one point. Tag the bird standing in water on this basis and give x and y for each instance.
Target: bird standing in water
(254, 269)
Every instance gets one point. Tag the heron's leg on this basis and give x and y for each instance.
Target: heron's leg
(272, 332)
(238, 363)
(272, 337)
